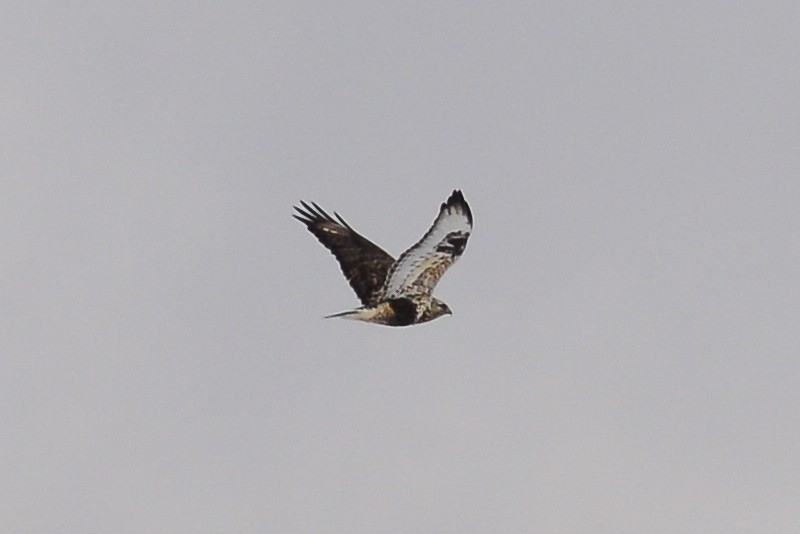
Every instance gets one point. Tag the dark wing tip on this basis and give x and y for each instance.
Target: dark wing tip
(344, 223)
(305, 216)
(456, 200)
(312, 214)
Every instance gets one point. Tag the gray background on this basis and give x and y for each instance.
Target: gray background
(623, 355)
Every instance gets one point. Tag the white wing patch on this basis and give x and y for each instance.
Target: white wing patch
(419, 268)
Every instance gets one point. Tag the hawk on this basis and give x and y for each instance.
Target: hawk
(394, 292)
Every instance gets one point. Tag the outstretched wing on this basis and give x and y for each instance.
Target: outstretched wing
(419, 269)
(363, 263)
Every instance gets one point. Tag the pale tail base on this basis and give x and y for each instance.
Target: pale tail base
(380, 314)
(355, 315)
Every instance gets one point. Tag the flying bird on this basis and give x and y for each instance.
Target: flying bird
(394, 292)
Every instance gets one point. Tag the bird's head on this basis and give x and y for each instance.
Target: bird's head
(439, 308)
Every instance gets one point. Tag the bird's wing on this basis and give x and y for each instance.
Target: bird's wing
(363, 263)
(419, 269)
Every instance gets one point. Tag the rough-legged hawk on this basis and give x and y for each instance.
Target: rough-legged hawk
(394, 293)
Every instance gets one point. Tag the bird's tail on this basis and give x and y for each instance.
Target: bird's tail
(351, 314)
(370, 315)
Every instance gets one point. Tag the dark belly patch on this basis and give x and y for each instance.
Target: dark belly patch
(405, 312)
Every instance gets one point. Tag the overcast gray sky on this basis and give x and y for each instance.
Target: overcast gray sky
(623, 354)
